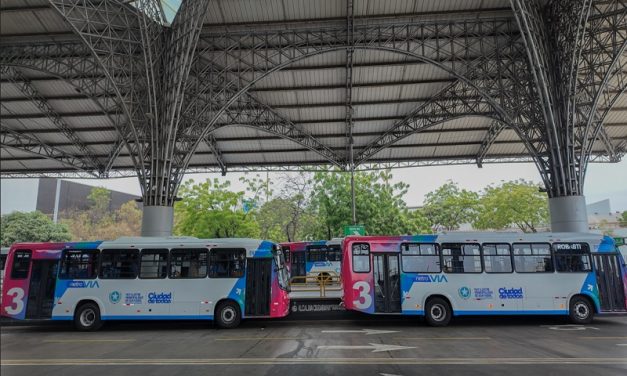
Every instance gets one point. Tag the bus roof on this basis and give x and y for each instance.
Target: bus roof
(488, 237)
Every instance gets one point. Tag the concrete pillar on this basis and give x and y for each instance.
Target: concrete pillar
(568, 214)
(157, 221)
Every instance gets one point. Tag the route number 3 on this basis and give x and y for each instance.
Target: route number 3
(17, 301)
(364, 299)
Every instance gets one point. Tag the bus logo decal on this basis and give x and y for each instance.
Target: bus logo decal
(114, 297)
(160, 298)
(83, 284)
(513, 293)
(483, 293)
(464, 292)
(426, 278)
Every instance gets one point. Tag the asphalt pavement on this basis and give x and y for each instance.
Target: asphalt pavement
(364, 346)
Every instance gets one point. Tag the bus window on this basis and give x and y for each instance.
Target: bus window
(153, 263)
(572, 257)
(420, 258)
(79, 264)
(21, 264)
(497, 258)
(461, 258)
(226, 263)
(361, 258)
(188, 263)
(532, 258)
(119, 263)
(314, 255)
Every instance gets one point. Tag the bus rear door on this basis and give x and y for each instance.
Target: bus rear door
(258, 278)
(611, 291)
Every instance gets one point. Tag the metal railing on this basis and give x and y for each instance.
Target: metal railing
(323, 282)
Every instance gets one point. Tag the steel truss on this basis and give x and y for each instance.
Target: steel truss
(551, 74)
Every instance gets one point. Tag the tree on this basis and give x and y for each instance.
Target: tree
(99, 222)
(379, 204)
(211, 210)
(31, 227)
(623, 219)
(514, 203)
(289, 216)
(449, 206)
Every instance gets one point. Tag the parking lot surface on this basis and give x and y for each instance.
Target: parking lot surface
(362, 346)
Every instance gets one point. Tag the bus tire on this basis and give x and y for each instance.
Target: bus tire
(228, 315)
(87, 317)
(581, 310)
(438, 312)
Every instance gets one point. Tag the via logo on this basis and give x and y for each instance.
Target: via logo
(114, 297)
(464, 292)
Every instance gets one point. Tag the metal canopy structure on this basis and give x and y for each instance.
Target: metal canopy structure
(96, 88)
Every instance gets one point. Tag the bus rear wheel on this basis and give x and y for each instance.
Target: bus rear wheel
(581, 311)
(228, 315)
(87, 318)
(438, 312)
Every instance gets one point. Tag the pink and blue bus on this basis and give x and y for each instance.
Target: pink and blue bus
(314, 258)
(455, 274)
(224, 280)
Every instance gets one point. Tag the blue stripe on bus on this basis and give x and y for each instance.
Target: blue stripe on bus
(541, 312)
(144, 317)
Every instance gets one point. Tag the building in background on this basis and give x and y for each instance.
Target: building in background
(51, 196)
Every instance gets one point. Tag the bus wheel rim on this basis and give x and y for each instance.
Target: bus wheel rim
(228, 314)
(438, 313)
(581, 310)
(88, 317)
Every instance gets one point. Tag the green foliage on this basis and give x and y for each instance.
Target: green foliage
(623, 219)
(449, 206)
(210, 210)
(379, 204)
(517, 203)
(99, 222)
(31, 227)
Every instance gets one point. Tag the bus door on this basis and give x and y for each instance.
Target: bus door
(611, 292)
(41, 289)
(258, 285)
(298, 267)
(387, 283)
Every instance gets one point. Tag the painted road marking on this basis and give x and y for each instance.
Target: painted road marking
(568, 327)
(445, 338)
(375, 347)
(86, 340)
(603, 337)
(367, 332)
(621, 344)
(315, 361)
(260, 339)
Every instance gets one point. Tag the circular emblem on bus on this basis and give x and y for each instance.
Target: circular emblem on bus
(464, 292)
(114, 297)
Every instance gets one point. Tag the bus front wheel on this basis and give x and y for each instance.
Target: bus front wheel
(87, 317)
(228, 315)
(438, 312)
(581, 311)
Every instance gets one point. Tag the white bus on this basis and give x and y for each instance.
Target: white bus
(455, 274)
(146, 279)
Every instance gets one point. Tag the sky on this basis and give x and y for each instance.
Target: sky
(604, 180)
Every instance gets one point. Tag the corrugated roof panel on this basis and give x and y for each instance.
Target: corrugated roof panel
(374, 94)
(616, 116)
(54, 87)
(74, 105)
(18, 108)
(9, 90)
(320, 96)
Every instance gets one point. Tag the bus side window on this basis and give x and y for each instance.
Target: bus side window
(497, 258)
(153, 263)
(361, 258)
(21, 264)
(79, 264)
(420, 258)
(188, 263)
(533, 258)
(119, 263)
(461, 258)
(572, 257)
(227, 262)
